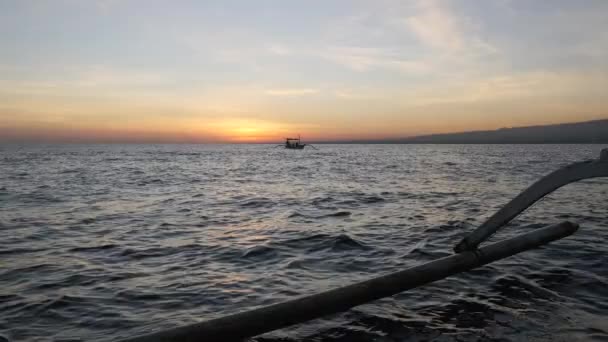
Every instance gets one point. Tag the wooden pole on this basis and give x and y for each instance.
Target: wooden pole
(551, 182)
(258, 321)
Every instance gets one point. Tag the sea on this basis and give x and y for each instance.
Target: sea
(106, 242)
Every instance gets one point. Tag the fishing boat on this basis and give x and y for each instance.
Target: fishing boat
(295, 143)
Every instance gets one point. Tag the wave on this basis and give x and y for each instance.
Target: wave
(309, 216)
(326, 242)
(19, 250)
(165, 235)
(260, 202)
(259, 252)
(69, 171)
(94, 248)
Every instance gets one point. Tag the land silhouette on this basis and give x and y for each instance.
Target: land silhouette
(588, 132)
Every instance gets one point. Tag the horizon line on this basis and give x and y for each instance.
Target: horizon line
(386, 140)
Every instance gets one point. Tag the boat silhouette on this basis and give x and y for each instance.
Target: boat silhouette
(295, 144)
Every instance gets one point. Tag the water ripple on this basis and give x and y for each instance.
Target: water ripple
(103, 242)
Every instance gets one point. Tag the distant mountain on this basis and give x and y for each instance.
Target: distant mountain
(575, 133)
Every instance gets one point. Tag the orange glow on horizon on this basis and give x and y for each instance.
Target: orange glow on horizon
(228, 131)
(206, 72)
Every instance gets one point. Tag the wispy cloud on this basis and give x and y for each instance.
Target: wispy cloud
(280, 50)
(358, 94)
(436, 26)
(389, 63)
(559, 87)
(291, 91)
(369, 58)
(73, 80)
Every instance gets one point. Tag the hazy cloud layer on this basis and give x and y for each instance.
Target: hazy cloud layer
(224, 70)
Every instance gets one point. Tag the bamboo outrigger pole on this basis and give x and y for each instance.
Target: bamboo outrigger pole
(255, 322)
(258, 321)
(551, 182)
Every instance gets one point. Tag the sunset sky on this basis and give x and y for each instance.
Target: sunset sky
(255, 71)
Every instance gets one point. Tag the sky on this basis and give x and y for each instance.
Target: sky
(257, 71)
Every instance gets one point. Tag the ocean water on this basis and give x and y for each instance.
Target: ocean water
(102, 242)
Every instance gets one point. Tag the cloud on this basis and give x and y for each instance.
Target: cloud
(279, 50)
(558, 88)
(291, 91)
(77, 78)
(436, 26)
(423, 38)
(369, 58)
(366, 94)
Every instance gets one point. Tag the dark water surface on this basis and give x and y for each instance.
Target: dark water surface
(100, 242)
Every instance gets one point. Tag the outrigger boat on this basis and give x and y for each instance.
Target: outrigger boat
(295, 144)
